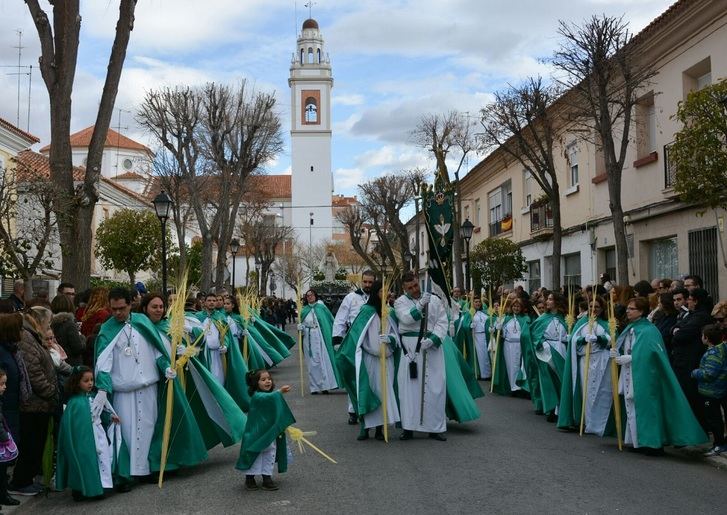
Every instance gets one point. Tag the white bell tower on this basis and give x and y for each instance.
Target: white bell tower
(310, 134)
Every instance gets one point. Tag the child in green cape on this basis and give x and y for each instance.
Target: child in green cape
(263, 442)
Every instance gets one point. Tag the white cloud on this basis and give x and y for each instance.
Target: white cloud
(347, 178)
(348, 100)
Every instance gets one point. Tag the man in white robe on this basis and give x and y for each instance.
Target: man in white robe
(421, 375)
(346, 314)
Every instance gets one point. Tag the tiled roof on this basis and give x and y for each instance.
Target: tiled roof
(272, 186)
(32, 165)
(342, 201)
(130, 176)
(113, 140)
(20, 132)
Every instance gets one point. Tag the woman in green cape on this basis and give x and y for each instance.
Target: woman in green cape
(657, 412)
(510, 370)
(593, 331)
(317, 327)
(549, 336)
(263, 443)
(219, 418)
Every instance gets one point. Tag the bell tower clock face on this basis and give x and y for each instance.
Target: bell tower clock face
(311, 106)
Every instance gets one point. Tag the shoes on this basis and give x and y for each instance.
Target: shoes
(29, 490)
(352, 419)
(379, 434)
(552, 417)
(715, 451)
(363, 435)
(406, 435)
(438, 437)
(325, 392)
(9, 501)
(314, 393)
(250, 483)
(123, 488)
(269, 484)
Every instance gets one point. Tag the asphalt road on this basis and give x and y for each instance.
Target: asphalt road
(509, 461)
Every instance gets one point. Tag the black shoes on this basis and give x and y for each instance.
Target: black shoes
(406, 435)
(379, 434)
(269, 484)
(352, 419)
(250, 483)
(438, 437)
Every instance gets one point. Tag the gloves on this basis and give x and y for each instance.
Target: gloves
(98, 403)
(170, 373)
(384, 338)
(245, 333)
(223, 349)
(613, 354)
(426, 344)
(624, 360)
(181, 349)
(591, 338)
(301, 327)
(425, 298)
(498, 324)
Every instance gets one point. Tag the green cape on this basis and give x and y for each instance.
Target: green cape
(268, 418)
(77, 461)
(663, 413)
(549, 379)
(325, 322)
(464, 341)
(186, 447)
(224, 404)
(462, 387)
(270, 336)
(500, 379)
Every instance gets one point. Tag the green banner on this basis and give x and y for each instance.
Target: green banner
(439, 218)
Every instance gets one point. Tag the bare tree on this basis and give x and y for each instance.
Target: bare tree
(604, 70)
(27, 222)
(266, 244)
(442, 135)
(523, 123)
(172, 116)
(354, 219)
(74, 206)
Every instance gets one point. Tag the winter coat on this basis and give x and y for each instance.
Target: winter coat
(69, 337)
(41, 373)
(11, 398)
(88, 324)
(687, 348)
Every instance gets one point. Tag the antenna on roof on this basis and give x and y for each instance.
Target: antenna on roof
(20, 74)
(309, 5)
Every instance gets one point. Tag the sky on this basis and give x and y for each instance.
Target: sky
(393, 61)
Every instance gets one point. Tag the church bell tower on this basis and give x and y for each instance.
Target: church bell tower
(310, 133)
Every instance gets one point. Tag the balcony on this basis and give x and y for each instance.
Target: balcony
(541, 219)
(670, 169)
(501, 226)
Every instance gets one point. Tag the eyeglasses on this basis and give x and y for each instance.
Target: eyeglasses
(631, 309)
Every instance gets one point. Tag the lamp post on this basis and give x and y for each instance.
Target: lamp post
(408, 256)
(234, 247)
(258, 267)
(162, 206)
(465, 232)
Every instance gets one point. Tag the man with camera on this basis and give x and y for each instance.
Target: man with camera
(421, 377)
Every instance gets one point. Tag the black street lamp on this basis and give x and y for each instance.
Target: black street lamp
(408, 256)
(234, 247)
(465, 232)
(162, 206)
(258, 267)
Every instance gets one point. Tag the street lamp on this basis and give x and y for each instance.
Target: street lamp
(465, 232)
(408, 256)
(258, 267)
(234, 247)
(162, 206)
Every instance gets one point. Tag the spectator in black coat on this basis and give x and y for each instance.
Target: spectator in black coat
(66, 330)
(687, 346)
(668, 319)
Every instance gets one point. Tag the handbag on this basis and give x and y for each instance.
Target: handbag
(8, 449)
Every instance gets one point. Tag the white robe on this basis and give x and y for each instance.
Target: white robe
(104, 450)
(212, 346)
(512, 351)
(433, 419)
(555, 338)
(131, 362)
(368, 352)
(321, 376)
(480, 340)
(626, 388)
(265, 461)
(599, 396)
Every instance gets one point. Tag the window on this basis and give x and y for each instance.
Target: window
(646, 125)
(703, 258)
(477, 212)
(573, 163)
(311, 110)
(127, 164)
(500, 206)
(528, 188)
(697, 77)
(572, 269)
(319, 55)
(663, 258)
(541, 216)
(610, 259)
(310, 55)
(533, 275)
